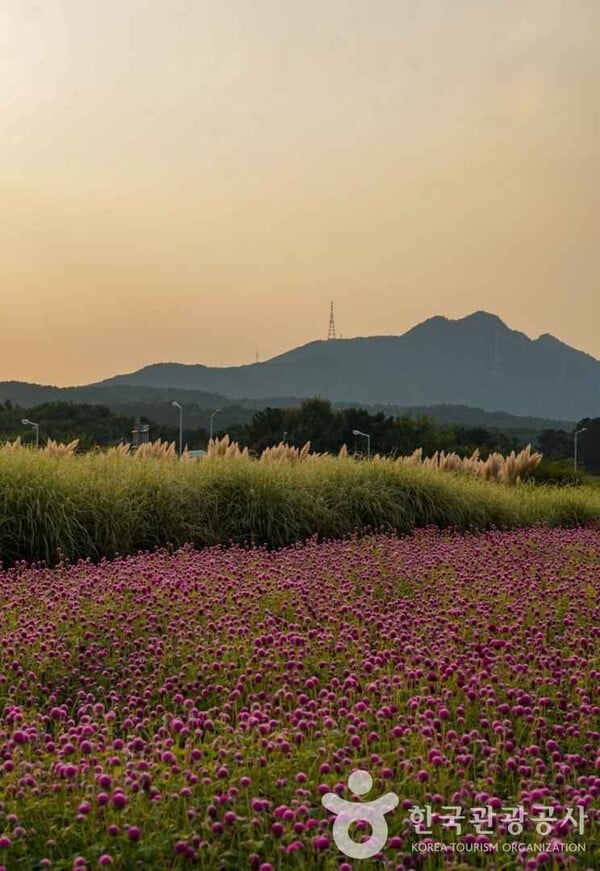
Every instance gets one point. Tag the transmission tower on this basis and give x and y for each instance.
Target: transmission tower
(331, 329)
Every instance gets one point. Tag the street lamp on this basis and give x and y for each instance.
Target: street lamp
(577, 432)
(366, 435)
(178, 405)
(36, 427)
(212, 414)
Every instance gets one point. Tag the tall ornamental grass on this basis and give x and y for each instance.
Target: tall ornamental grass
(55, 506)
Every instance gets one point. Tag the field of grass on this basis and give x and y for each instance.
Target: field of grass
(191, 709)
(99, 505)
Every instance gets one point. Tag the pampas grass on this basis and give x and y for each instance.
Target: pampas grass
(511, 469)
(60, 449)
(224, 448)
(69, 505)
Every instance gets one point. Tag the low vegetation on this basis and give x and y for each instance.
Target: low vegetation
(190, 710)
(315, 420)
(508, 469)
(61, 505)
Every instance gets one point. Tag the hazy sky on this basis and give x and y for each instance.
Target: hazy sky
(193, 180)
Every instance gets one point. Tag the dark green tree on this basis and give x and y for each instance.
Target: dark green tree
(555, 444)
(589, 444)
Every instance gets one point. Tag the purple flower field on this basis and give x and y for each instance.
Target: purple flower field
(192, 709)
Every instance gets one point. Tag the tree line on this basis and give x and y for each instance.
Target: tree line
(314, 420)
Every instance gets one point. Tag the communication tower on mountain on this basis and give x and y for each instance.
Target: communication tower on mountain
(331, 330)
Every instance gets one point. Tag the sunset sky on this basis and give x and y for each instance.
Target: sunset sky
(193, 180)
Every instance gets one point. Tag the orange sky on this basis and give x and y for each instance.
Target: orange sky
(193, 180)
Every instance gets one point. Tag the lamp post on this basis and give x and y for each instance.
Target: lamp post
(366, 435)
(212, 414)
(577, 432)
(36, 427)
(178, 405)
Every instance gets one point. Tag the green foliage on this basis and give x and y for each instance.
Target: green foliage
(555, 444)
(93, 425)
(65, 421)
(559, 445)
(559, 472)
(314, 420)
(589, 444)
(327, 429)
(96, 505)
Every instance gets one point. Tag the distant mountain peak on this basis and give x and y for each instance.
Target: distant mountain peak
(549, 339)
(483, 317)
(480, 320)
(475, 360)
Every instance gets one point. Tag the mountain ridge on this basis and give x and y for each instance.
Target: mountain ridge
(156, 405)
(476, 360)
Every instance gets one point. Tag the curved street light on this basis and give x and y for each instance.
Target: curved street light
(367, 436)
(36, 427)
(577, 432)
(212, 414)
(178, 405)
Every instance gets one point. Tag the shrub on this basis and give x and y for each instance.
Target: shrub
(558, 472)
(99, 504)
